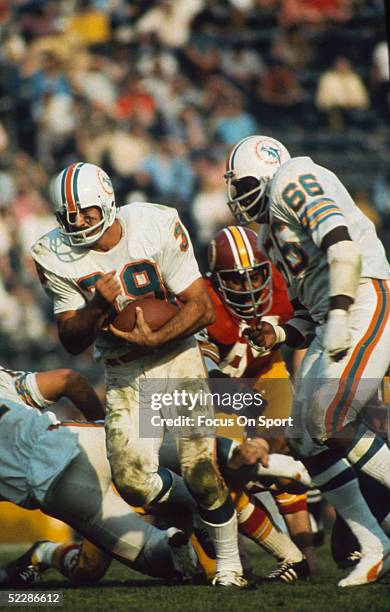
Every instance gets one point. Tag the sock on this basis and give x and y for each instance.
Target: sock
(314, 504)
(370, 455)
(222, 527)
(254, 522)
(165, 478)
(340, 487)
(69, 560)
(178, 493)
(44, 553)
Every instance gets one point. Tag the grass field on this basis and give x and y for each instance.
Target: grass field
(124, 590)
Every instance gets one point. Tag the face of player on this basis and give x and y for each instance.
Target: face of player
(244, 283)
(250, 207)
(85, 219)
(244, 290)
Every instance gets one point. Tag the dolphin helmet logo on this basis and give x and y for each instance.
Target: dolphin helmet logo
(268, 152)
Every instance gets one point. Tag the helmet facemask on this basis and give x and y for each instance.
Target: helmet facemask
(256, 298)
(247, 197)
(89, 235)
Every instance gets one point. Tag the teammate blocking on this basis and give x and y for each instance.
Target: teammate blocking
(338, 279)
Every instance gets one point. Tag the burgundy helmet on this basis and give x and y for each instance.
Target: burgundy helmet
(234, 258)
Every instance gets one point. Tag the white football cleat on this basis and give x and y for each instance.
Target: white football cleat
(371, 567)
(229, 579)
(183, 555)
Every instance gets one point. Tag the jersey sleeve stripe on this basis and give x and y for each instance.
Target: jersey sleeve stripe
(311, 209)
(317, 203)
(327, 215)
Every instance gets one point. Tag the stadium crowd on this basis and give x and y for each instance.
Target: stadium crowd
(155, 92)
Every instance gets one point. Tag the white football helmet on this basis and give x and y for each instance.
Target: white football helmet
(77, 187)
(250, 167)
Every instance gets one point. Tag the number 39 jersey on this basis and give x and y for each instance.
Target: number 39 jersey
(307, 201)
(153, 257)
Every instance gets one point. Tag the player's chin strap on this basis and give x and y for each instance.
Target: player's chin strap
(344, 268)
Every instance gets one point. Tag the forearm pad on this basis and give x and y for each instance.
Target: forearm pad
(344, 268)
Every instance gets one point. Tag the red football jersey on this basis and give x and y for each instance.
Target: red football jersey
(231, 349)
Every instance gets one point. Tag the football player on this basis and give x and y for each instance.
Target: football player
(338, 279)
(42, 389)
(61, 468)
(92, 265)
(86, 562)
(243, 286)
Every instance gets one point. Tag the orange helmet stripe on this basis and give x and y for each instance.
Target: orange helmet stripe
(68, 188)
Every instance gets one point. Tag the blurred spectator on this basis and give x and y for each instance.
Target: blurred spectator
(380, 76)
(231, 122)
(279, 94)
(135, 102)
(293, 48)
(39, 18)
(341, 94)
(242, 65)
(90, 25)
(91, 81)
(170, 20)
(167, 175)
(49, 79)
(202, 52)
(209, 210)
(314, 12)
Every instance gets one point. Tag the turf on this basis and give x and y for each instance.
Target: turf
(124, 590)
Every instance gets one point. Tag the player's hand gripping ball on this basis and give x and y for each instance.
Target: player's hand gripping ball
(156, 314)
(138, 321)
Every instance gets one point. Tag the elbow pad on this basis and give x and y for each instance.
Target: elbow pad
(344, 268)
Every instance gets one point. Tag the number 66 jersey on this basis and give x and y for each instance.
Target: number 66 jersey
(308, 201)
(154, 257)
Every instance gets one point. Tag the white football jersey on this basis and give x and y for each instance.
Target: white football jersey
(307, 201)
(34, 451)
(154, 257)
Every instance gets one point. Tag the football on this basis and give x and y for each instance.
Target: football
(156, 313)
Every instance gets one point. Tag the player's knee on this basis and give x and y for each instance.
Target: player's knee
(134, 493)
(135, 487)
(204, 483)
